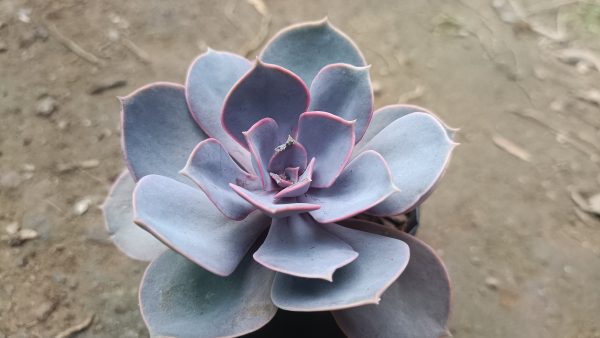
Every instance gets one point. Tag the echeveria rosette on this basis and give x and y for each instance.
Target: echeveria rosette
(249, 176)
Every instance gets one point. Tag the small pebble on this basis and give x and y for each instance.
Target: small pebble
(88, 164)
(377, 89)
(3, 47)
(492, 282)
(46, 106)
(12, 228)
(82, 206)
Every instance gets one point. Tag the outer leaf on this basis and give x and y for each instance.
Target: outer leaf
(180, 299)
(266, 202)
(416, 305)
(383, 117)
(262, 141)
(265, 91)
(209, 79)
(118, 217)
(184, 219)
(418, 149)
(381, 260)
(306, 48)
(213, 169)
(158, 131)
(345, 91)
(299, 246)
(329, 139)
(365, 182)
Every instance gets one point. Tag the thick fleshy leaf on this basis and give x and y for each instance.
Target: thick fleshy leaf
(213, 169)
(329, 139)
(180, 299)
(364, 183)
(292, 156)
(273, 207)
(345, 91)
(184, 219)
(299, 246)
(301, 186)
(262, 141)
(118, 217)
(209, 79)
(265, 91)
(306, 48)
(416, 305)
(380, 261)
(383, 117)
(417, 149)
(158, 131)
(292, 173)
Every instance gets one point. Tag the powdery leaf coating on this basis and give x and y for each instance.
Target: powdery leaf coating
(345, 91)
(158, 131)
(299, 246)
(417, 305)
(329, 139)
(212, 169)
(417, 149)
(267, 203)
(183, 218)
(180, 299)
(265, 91)
(364, 183)
(380, 261)
(209, 79)
(118, 217)
(306, 48)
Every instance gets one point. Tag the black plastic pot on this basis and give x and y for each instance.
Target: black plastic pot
(288, 324)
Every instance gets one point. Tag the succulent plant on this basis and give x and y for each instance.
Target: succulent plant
(287, 146)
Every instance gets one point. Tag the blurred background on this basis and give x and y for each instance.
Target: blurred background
(515, 218)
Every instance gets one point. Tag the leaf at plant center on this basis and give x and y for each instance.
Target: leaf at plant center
(299, 246)
(265, 201)
(158, 131)
(117, 209)
(301, 186)
(265, 91)
(180, 299)
(329, 139)
(262, 141)
(185, 219)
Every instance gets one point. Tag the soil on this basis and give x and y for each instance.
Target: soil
(523, 258)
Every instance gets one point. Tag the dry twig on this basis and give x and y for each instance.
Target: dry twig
(137, 51)
(412, 95)
(511, 148)
(69, 332)
(73, 46)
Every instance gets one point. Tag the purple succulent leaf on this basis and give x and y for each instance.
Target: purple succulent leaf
(301, 185)
(184, 219)
(380, 261)
(416, 305)
(299, 246)
(417, 148)
(265, 91)
(267, 203)
(329, 139)
(262, 141)
(180, 299)
(158, 131)
(383, 117)
(292, 173)
(364, 183)
(344, 90)
(212, 169)
(118, 217)
(210, 78)
(306, 48)
(293, 156)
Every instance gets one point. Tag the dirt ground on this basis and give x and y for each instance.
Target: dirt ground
(520, 79)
